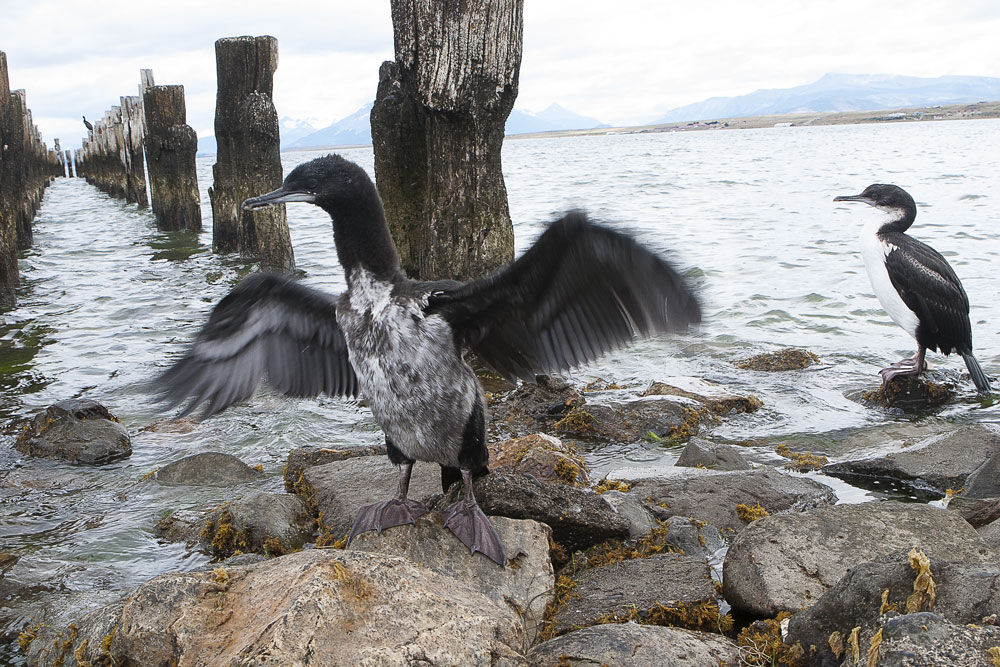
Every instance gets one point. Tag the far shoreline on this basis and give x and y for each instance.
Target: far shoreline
(927, 113)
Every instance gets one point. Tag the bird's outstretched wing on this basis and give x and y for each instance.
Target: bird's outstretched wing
(930, 288)
(578, 292)
(268, 327)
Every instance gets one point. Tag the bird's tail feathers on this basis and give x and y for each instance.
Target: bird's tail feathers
(976, 371)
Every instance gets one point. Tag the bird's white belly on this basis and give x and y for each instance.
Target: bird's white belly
(412, 378)
(875, 250)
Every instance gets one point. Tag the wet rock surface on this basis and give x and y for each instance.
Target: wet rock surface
(524, 585)
(915, 393)
(786, 562)
(939, 461)
(301, 458)
(319, 606)
(788, 359)
(665, 588)
(578, 518)
(634, 645)
(207, 469)
(76, 430)
(965, 594)
(701, 453)
(336, 491)
(542, 456)
(716, 497)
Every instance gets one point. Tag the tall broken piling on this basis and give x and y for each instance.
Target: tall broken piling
(111, 157)
(437, 129)
(27, 167)
(248, 158)
(171, 145)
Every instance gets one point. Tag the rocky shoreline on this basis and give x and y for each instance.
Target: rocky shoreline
(738, 555)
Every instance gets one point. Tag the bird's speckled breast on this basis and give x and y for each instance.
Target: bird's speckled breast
(418, 387)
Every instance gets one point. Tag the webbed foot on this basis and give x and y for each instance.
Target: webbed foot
(466, 520)
(379, 516)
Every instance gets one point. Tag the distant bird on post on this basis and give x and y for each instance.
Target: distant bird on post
(88, 124)
(579, 291)
(915, 284)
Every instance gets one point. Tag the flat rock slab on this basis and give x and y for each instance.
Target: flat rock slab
(77, 430)
(525, 584)
(207, 469)
(339, 489)
(301, 458)
(786, 562)
(578, 518)
(967, 593)
(322, 607)
(701, 453)
(637, 589)
(713, 496)
(939, 461)
(636, 646)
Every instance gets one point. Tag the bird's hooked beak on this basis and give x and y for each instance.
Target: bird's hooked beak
(279, 196)
(861, 198)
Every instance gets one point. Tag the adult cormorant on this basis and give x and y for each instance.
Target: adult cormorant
(579, 291)
(915, 284)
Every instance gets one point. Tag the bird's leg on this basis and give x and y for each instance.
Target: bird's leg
(396, 511)
(467, 521)
(914, 365)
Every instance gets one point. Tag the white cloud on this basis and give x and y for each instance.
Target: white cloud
(624, 63)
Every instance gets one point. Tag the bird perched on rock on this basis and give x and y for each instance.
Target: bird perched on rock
(579, 291)
(915, 284)
(88, 124)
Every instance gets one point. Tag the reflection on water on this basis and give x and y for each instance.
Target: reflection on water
(106, 301)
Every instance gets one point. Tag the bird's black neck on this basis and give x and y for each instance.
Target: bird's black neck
(361, 234)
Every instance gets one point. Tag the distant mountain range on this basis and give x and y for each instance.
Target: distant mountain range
(843, 92)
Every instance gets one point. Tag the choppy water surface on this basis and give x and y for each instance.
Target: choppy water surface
(106, 300)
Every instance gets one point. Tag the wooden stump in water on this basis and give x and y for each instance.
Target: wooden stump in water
(248, 158)
(171, 145)
(132, 159)
(437, 130)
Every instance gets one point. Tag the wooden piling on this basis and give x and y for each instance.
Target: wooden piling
(437, 129)
(132, 156)
(248, 158)
(171, 145)
(27, 167)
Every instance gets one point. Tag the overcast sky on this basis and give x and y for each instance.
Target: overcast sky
(623, 62)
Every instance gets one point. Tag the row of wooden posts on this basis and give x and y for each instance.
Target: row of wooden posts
(27, 166)
(437, 142)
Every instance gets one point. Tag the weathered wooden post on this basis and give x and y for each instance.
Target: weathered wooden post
(171, 145)
(9, 191)
(132, 159)
(27, 190)
(248, 157)
(437, 130)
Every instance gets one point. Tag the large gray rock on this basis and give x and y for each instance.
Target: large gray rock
(967, 593)
(207, 469)
(630, 508)
(636, 646)
(77, 430)
(525, 584)
(658, 588)
(337, 490)
(82, 645)
(701, 453)
(929, 639)
(579, 518)
(977, 511)
(991, 535)
(320, 606)
(692, 537)
(940, 461)
(984, 481)
(712, 496)
(301, 458)
(786, 562)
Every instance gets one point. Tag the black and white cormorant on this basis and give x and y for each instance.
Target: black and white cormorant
(579, 291)
(915, 284)
(87, 124)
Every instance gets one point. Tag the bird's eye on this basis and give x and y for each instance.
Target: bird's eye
(311, 184)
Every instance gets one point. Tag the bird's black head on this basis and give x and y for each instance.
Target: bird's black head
(330, 182)
(345, 191)
(892, 199)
